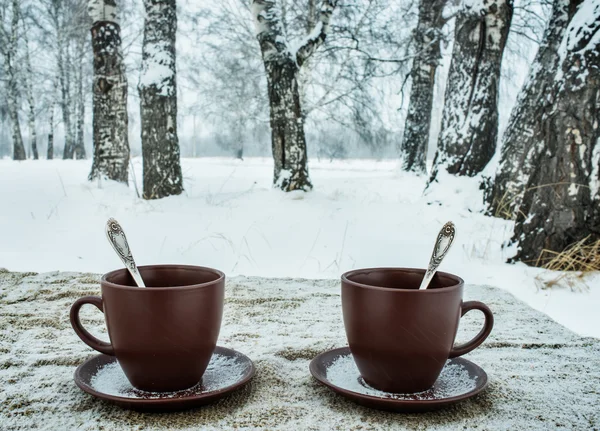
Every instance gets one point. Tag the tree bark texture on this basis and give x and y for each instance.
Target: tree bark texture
(79, 143)
(50, 149)
(30, 99)
(9, 43)
(158, 102)
(427, 39)
(64, 69)
(282, 69)
(111, 144)
(561, 201)
(520, 146)
(469, 132)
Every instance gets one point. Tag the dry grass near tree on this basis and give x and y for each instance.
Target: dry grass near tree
(576, 261)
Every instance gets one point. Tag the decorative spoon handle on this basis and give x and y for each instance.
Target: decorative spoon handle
(118, 240)
(442, 245)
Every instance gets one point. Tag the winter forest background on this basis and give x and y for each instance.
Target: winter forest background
(504, 92)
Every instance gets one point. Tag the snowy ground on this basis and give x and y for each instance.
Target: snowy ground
(360, 214)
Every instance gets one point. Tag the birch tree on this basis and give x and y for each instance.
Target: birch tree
(111, 145)
(282, 66)
(79, 105)
(30, 98)
(469, 131)
(158, 101)
(50, 146)
(9, 38)
(518, 151)
(427, 40)
(562, 198)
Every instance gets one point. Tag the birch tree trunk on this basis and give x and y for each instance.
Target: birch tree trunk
(8, 42)
(50, 149)
(282, 68)
(519, 151)
(560, 204)
(467, 140)
(79, 144)
(158, 102)
(111, 144)
(427, 37)
(64, 68)
(30, 99)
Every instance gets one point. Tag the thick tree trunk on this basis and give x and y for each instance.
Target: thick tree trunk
(467, 140)
(10, 56)
(519, 149)
(427, 37)
(111, 144)
(560, 204)
(287, 127)
(282, 68)
(158, 102)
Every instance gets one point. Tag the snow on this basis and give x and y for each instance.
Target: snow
(99, 10)
(454, 380)
(595, 176)
(541, 375)
(158, 68)
(222, 372)
(361, 213)
(582, 35)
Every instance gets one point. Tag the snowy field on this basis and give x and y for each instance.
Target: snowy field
(360, 214)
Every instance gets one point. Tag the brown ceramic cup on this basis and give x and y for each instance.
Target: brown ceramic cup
(401, 336)
(163, 335)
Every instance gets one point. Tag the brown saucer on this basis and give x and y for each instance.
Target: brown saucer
(460, 379)
(102, 377)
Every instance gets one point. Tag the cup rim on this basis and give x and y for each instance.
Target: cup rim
(104, 280)
(459, 281)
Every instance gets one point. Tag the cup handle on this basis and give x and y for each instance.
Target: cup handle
(483, 334)
(86, 337)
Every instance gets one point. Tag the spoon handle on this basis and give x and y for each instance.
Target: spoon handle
(442, 245)
(118, 240)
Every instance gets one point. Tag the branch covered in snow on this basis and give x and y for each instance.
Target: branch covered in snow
(317, 35)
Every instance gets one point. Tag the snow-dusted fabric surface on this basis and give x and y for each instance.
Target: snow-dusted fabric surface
(542, 376)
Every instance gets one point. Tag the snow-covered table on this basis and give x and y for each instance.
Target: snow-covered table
(542, 376)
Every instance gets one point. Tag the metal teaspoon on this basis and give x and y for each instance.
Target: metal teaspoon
(118, 240)
(442, 245)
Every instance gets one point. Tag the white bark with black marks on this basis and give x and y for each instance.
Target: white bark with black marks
(79, 144)
(469, 131)
(111, 144)
(561, 201)
(520, 145)
(8, 48)
(158, 102)
(30, 100)
(427, 39)
(64, 78)
(282, 66)
(50, 148)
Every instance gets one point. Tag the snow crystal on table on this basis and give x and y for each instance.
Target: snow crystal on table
(454, 380)
(222, 371)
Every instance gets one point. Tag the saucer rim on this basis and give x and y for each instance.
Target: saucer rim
(394, 402)
(165, 401)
